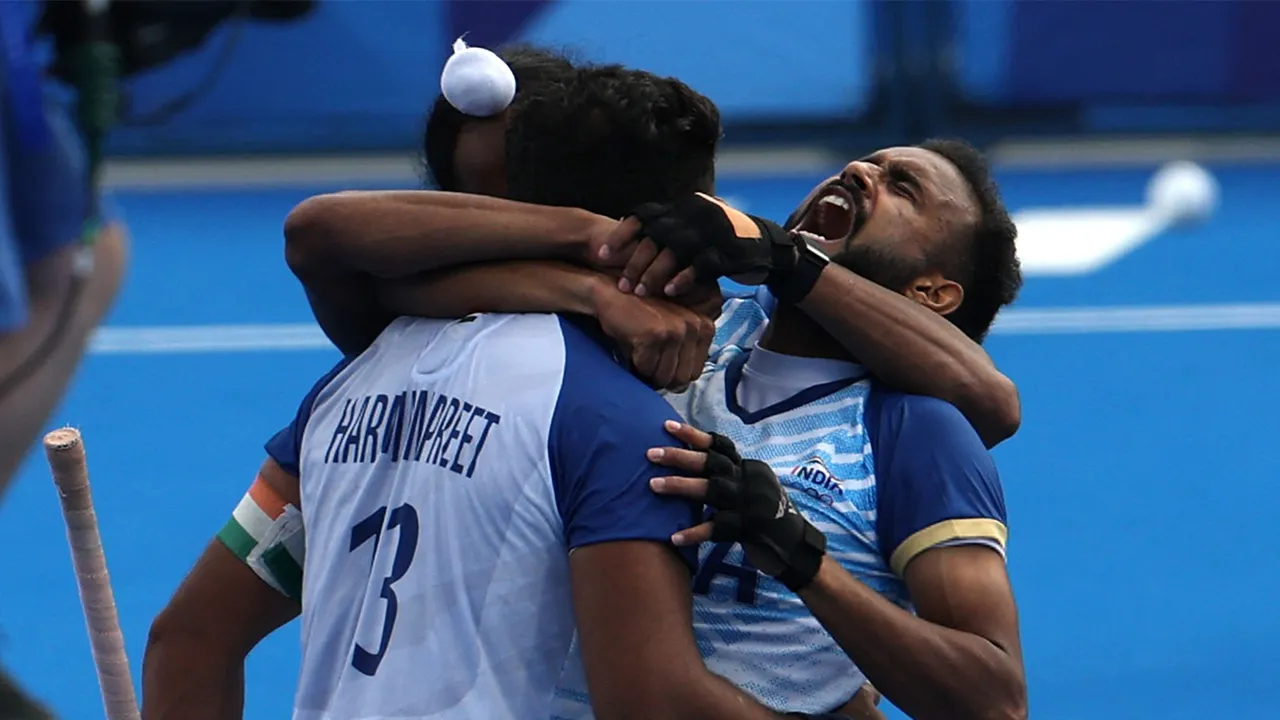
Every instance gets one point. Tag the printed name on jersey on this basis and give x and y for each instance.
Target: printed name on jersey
(399, 427)
(816, 480)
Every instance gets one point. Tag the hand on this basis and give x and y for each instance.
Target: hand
(698, 239)
(706, 300)
(611, 243)
(666, 344)
(616, 247)
(752, 506)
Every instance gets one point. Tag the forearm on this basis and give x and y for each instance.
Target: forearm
(349, 313)
(183, 680)
(927, 670)
(707, 696)
(396, 234)
(914, 349)
(511, 287)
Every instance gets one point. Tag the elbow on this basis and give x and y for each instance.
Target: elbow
(170, 629)
(1002, 700)
(309, 232)
(179, 626)
(1009, 708)
(1003, 410)
(163, 630)
(164, 644)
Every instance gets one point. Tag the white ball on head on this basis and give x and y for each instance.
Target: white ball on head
(1182, 192)
(476, 81)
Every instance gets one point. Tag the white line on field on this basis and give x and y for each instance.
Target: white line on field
(1043, 321)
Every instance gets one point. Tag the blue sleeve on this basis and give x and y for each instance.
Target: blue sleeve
(44, 197)
(285, 447)
(604, 421)
(936, 482)
(48, 191)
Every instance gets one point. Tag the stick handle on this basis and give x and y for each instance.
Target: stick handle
(65, 450)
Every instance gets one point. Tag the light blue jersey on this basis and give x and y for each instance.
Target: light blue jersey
(884, 475)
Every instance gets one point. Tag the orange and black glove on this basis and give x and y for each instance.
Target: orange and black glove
(718, 241)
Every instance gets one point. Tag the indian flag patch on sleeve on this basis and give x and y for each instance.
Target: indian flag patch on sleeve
(266, 533)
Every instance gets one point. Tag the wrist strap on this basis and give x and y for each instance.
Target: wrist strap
(806, 559)
(794, 286)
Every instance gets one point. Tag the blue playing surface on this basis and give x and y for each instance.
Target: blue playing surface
(1138, 488)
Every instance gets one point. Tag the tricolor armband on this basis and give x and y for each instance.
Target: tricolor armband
(266, 533)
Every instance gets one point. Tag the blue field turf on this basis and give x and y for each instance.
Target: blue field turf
(1139, 487)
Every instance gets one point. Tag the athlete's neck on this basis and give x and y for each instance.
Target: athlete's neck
(791, 332)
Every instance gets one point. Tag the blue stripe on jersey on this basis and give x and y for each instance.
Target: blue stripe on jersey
(605, 419)
(285, 445)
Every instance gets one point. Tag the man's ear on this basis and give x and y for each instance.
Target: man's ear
(936, 292)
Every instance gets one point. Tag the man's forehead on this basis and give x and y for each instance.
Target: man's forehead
(931, 167)
(917, 157)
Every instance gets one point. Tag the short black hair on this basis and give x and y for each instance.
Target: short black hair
(610, 140)
(534, 68)
(987, 266)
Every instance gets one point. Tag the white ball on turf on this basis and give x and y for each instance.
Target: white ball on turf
(1182, 192)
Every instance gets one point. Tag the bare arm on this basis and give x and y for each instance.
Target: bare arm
(194, 663)
(915, 350)
(960, 658)
(901, 342)
(635, 622)
(390, 234)
(341, 245)
(505, 287)
(665, 343)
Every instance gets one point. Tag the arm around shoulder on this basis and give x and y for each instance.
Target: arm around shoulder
(392, 234)
(914, 349)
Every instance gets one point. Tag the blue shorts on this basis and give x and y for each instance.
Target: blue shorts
(44, 199)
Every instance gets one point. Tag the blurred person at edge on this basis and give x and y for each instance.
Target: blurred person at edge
(62, 261)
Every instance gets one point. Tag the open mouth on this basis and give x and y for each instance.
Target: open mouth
(834, 215)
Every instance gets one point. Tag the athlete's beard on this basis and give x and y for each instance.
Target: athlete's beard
(880, 266)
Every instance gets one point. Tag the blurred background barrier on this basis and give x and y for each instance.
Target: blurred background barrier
(357, 76)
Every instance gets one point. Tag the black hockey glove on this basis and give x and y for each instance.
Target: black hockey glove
(752, 508)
